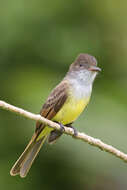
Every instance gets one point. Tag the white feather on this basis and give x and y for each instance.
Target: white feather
(81, 83)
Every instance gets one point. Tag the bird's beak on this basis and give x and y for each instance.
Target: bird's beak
(94, 68)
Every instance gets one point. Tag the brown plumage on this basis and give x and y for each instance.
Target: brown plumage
(53, 104)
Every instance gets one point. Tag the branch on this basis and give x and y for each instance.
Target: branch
(69, 131)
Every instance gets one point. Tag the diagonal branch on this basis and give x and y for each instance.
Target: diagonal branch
(69, 131)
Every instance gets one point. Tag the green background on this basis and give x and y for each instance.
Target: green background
(38, 41)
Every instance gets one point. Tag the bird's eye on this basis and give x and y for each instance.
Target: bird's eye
(80, 65)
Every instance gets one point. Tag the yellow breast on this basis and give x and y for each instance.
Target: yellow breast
(71, 110)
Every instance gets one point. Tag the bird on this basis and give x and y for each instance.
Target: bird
(64, 105)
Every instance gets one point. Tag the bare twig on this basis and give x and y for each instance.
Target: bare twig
(69, 131)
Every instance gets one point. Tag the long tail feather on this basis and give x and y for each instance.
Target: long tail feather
(23, 164)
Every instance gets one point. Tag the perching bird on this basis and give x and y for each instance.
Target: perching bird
(65, 103)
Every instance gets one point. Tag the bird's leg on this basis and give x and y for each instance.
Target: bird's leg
(75, 130)
(61, 127)
(68, 125)
(55, 134)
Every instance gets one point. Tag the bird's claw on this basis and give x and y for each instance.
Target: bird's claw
(61, 127)
(75, 131)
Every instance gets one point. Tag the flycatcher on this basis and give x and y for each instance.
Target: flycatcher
(65, 103)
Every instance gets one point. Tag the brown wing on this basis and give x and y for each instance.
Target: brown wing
(53, 104)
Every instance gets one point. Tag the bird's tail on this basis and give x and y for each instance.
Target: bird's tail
(24, 163)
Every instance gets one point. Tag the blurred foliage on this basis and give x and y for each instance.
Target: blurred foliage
(38, 41)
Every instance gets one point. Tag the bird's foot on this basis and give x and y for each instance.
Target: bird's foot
(61, 127)
(75, 132)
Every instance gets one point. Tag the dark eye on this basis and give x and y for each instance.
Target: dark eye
(80, 65)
